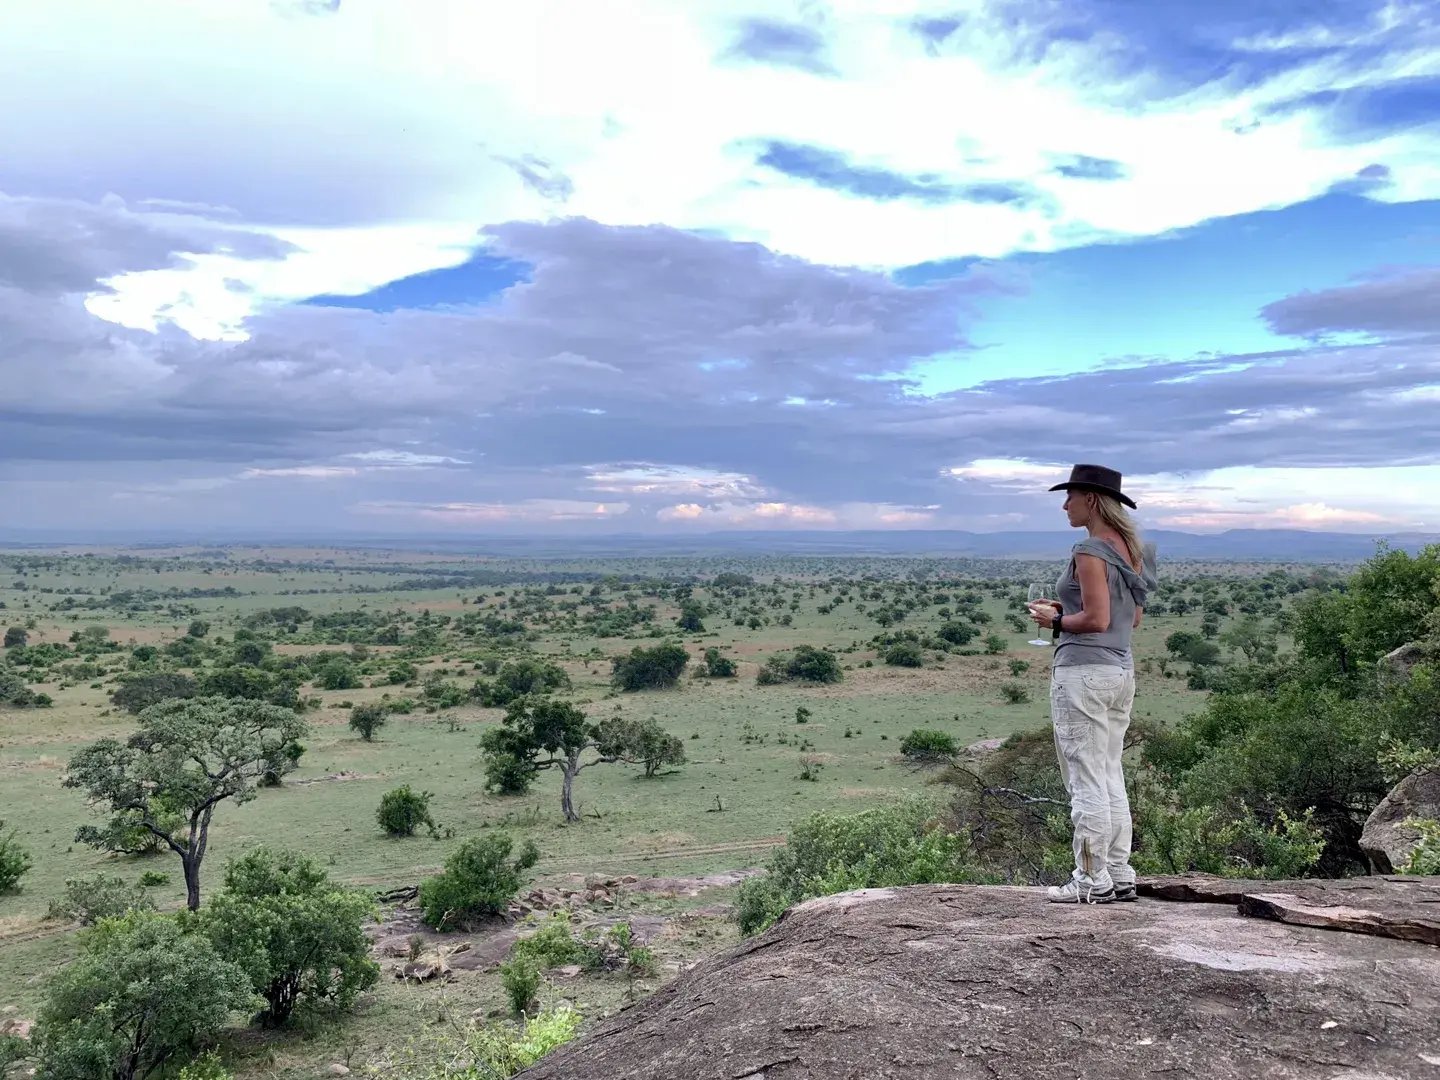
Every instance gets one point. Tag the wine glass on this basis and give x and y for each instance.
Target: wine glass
(1036, 592)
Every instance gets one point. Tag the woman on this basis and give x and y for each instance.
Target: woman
(1100, 600)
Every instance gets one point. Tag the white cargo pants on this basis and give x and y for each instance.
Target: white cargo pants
(1090, 708)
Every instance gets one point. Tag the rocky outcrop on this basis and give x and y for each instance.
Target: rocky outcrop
(993, 982)
(1399, 663)
(1387, 841)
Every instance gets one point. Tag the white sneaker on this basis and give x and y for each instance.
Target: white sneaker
(1081, 892)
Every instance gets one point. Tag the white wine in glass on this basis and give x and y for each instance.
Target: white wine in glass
(1036, 592)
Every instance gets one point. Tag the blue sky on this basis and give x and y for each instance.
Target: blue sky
(706, 265)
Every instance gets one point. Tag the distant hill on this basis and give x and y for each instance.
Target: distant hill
(1267, 545)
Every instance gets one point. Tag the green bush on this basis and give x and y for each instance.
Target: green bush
(402, 811)
(152, 879)
(928, 744)
(88, 900)
(1015, 693)
(958, 633)
(995, 645)
(205, 1068)
(1019, 667)
(805, 664)
(719, 666)
(367, 719)
(142, 691)
(522, 984)
(900, 844)
(1176, 840)
(1425, 859)
(14, 860)
(144, 992)
(297, 936)
(905, 654)
(479, 881)
(338, 674)
(649, 669)
(493, 1052)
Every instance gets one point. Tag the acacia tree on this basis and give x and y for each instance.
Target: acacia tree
(187, 758)
(546, 734)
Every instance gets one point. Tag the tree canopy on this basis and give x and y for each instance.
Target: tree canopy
(187, 757)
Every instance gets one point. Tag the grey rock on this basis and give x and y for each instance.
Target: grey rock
(994, 982)
(1386, 840)
(1399, 663)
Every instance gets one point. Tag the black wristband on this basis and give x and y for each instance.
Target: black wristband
(1055, 626)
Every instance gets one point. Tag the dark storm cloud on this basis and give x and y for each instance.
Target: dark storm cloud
(779, 44)
(651, 345)
(50, 247)
(1406, 302)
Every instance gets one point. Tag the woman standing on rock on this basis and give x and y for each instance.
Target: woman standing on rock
(1100, 598)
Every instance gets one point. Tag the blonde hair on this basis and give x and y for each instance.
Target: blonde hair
(1113, 514)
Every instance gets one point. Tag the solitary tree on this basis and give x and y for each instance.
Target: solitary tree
(16, 637)
(650, 669)
(367, 719)
(692, 614)
(187, 758)
(547, 734)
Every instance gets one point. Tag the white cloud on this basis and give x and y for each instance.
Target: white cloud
(528, 511)
(673, 480)
(775, 514)
(379, 138)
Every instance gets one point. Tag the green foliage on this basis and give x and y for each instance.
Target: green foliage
(1018, 666)
(186, 758)
(805, 664)
(367, 719)
(802, 714)
(995, 644)
(152, 879)
(1262, 750)
(142, 993)
(650, 669)
(519, 678)
(1425, 859)
(297, 936)
(139, 692)
(16, 637)
(479, 881)
(14, 859)
(531, 728)
(1177, 840)
(927, 744)
(643, 741)
(957, 633)
(905, 654)
(88, 900)
(1015, 693)
(15, 692)
(205, 1068)
(338, 674)
(691, 619)
(493, 1052)
(402, 811)
(521, 979)
(197, 629)
(553, 945)
(719, 666)
(899, 844)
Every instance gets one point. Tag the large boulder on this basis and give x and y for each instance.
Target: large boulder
(1400, 663)
(994, 982)
(1387, 841)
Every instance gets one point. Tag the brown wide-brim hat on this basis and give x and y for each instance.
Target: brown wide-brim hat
(1096, 478)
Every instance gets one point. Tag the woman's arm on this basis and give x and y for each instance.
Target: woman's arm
(1094, 614)
(1139, 613)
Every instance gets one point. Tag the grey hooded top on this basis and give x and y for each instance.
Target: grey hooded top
(1128, 591)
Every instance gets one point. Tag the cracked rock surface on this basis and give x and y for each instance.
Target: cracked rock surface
(1221, 980)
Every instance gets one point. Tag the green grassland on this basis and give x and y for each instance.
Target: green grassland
(734, 799)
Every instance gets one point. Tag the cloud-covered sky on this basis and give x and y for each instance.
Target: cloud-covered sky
(357, 266)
